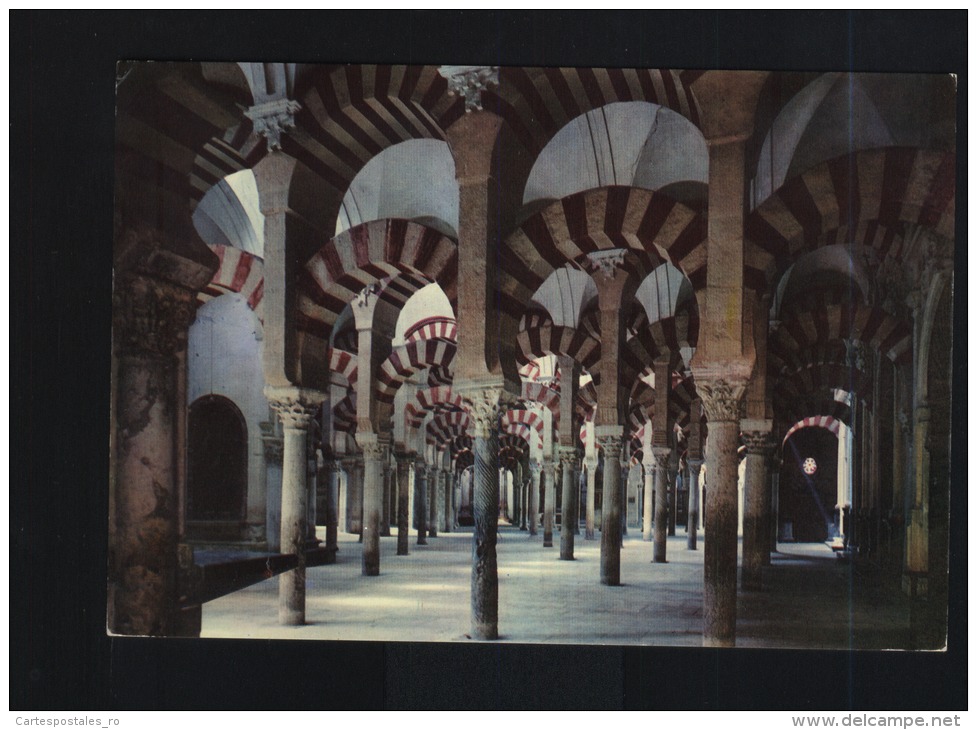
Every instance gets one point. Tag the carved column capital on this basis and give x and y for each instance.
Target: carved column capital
(612, 446)
(721, 399)
(662, 456)
(606, 262)
(695, 467)
(296, 407)
(758, 443)
(469, 82)
(151, 317)
(272, 442)
(569, 456)
(272, 119)
(484, 409)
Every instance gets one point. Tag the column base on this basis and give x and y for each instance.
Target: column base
(716, 642)
(485, 632)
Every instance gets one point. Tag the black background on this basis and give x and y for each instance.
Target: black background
(62, 71)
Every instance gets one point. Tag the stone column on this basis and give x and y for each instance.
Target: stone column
(374, 451)
(568, 462)
(672, 490)
(648, 498)
(484, 410)
(387, 498)
(296, 407)
(150, 328)
(446, 491)
(332, 506)
(403, 502)
(433, 480)
(756, 502)
(695, 468)
(524, 503)
(774, 534)
(915, 577)
(536, 472)
(610, 536)
(662, 454)
(548, 476)
(589, 529)
(721, 400)
(420, 501)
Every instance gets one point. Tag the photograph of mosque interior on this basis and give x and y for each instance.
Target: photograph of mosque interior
(536, 355)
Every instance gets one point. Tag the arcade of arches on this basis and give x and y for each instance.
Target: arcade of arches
(574, 304)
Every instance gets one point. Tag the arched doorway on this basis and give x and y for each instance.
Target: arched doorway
(809, 486)
(217, 469)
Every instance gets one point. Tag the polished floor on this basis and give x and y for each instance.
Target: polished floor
(810, 599)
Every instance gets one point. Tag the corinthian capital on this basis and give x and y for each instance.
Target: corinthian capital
(469, 82)
(759, 443)
(484, 408)
(296, 407)
(721, 399)
(569, 456)
(662, 455)
(272, 119)
(151, 317)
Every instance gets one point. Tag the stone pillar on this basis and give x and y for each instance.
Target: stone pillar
(662, 454)
(446, 499)
(403, 502)
(524, 503)
(536, 474)
(756, 502)
(484, 410)
(385, 518)
(648, 498)
(548, 476)
(695, 468)
(672, 490)
(721, 401)
(420, 501)
(589, 532)
(150, 328)
(915, 576)
(296, 408)
(332, 506)
(354, 495)
(433, 480)
(610, 536)
(568, 462)
(775, 462)
(374, 451)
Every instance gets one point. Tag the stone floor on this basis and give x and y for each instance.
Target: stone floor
(811, 599)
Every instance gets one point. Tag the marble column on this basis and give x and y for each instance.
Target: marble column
(775, 464)
(524, 504)
(536, 476)
(548, 476)
(610, 536)
(385, 518)
(332, 505)
(296, 408)
(420, 501)
(648, 499)
(672, 491)
(589, 529)
(484, 410)
(433, 482)
(150, 328)
(721, 400)
(695, 468)
(661, 454)
(756, 502)
(446, 491)
(374, 451)
(404, 462)
(915, 578)
(568, 462)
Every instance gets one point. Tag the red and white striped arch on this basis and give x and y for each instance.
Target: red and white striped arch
(239, 272)
(538, 102)
(344, 364)
(832, 317)
(890, 187)
(410, 254)
(828, 422)
(432, 328)
(431, 399)
(410, 358)
(648, 223)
